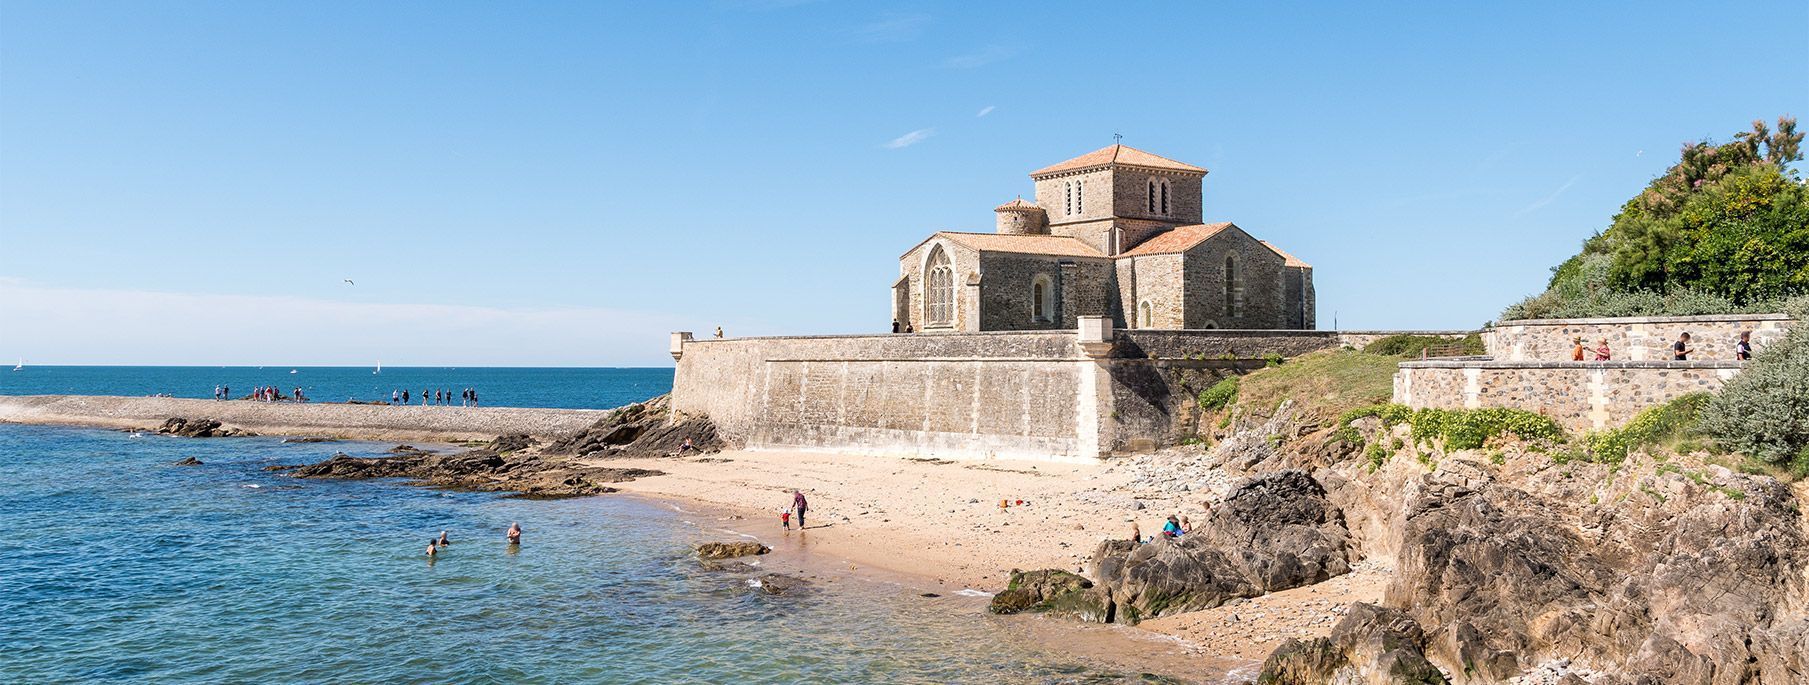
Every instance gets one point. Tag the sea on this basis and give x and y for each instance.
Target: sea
(562, 388)
(119, 566)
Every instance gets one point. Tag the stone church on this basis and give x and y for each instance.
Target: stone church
(1115, 232)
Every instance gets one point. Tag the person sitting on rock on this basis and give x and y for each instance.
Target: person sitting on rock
(1136, 533)
(1171, 529)
(1186, 526)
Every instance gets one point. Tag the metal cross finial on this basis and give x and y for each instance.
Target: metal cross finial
(1117, 139)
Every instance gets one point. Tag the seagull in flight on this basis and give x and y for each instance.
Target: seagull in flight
(349, 282)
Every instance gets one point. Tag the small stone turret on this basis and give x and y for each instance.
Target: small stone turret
(1019, 217)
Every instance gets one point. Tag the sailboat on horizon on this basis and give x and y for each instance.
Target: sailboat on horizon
(379, 370)
(21, 365)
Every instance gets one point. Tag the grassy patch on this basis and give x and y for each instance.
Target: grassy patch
(1669, 422)
(1405, 345)
(1220, 395)
(1324, 383)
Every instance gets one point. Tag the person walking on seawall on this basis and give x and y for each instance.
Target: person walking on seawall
(1601, 350)
(1576, 353)
(1680, 350)
(395, 397)
(799, 505)
(1743, 349)
(895, 325)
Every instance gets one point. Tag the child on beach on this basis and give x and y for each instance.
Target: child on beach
(785, 519)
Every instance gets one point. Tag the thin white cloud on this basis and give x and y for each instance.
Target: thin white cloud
(893, 28)
(985, 111)
(910, 139)
(1536, 206)
(980, 58)
(52, 325)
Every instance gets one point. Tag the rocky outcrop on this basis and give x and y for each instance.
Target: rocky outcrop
(647, 429)
(200, 428)
(777, 584)
(186, 461)
(730, 550)
(1371, 645)
(527, 474)
(1272, 532)
(1040, 591)
(1670, 577)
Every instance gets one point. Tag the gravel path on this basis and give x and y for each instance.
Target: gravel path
(353, 421)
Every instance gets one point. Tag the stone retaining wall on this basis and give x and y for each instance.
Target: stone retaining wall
(352, 421)
(1020, 395)
(1581, 396)
(1647, 338)
(1359, 339)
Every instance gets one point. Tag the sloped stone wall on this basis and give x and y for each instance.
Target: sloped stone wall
(1646, 338)
(1581, 396)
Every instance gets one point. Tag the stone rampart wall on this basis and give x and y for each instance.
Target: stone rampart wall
(1025, 395)
(1358, 339)
(1631, 338)
(1581, 396)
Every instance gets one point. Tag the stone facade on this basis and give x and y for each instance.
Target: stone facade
(1019, 395)
(1646, 338)
(1114, 232)
(1580, 396)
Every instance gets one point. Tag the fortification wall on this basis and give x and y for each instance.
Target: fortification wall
(1647, 338)
(1359, 339)
(1581, 396)
(1021, 395)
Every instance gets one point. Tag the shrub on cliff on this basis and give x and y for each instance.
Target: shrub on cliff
(1764, 411)
(1724, 230)
(1655, 425)
(1220, 395)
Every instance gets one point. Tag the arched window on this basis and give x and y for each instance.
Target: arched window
(1040, 305)
(939, 289)
(1146, 315)
(1150, 201)
(1164, 197)
(1232, 306)
(1080, 197)
(1068, 206)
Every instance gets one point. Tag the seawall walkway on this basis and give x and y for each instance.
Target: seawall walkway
(350, 421)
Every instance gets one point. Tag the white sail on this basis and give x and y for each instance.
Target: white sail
(379, 368)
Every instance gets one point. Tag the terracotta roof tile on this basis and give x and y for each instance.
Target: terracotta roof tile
(1181, 239)
(1019, 203)
(1027, 244)
(1117, 154)
(1291, 259)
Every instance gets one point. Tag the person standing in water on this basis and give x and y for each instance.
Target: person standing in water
(514, 533)
(432, 549)
(443, 541)
(799, 505)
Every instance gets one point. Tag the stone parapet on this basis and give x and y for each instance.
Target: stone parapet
(1634, 338)
(1580, 396)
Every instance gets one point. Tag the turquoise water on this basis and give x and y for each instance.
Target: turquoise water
(562, 388)
(117, 566)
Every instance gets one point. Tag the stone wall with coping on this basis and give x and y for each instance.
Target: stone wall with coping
(1646, 338)
(1359, 339)
(1581, 396)
(1018, 395)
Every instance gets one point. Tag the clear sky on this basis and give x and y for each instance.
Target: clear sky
(563, 184)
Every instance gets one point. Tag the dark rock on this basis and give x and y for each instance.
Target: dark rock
(1272, 532)
(647, 429)
(716, 566)
(776, 584)
(283, 467)
(200, 428)
(310, 440)
(930, 595)
(524, 473)
(511, 443)
(186, 461)
(1036, 590)
(730, 550)
(1370, 645)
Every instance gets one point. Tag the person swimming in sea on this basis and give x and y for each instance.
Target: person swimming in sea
(443, 541)
(432, 549)
(514, 533)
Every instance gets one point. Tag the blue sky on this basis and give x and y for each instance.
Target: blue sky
(562, 184)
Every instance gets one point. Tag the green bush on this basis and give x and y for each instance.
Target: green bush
(1764, 411)
(1655, 425)
(1407, 345)
(1220, 395)
(1465, 429)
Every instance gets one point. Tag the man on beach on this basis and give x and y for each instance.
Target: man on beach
(799, 505)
